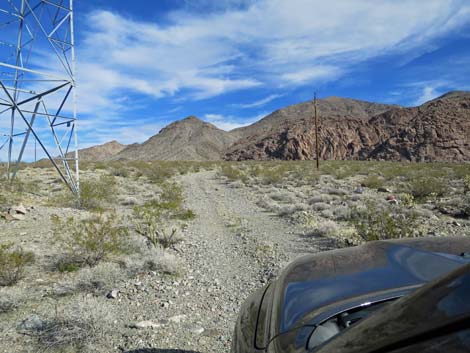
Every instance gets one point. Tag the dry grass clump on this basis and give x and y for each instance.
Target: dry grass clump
(14, 191)
(289, 210)
(151, 259)
(13, 262)
(283, 196)
(8, 303)
(326, 229)
(99, 279)
(76, 328)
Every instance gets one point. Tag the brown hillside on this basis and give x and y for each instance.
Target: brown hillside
(436, 131)
(187, 139)
(99, 152)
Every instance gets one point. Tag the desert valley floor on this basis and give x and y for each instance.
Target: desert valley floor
(237, 224)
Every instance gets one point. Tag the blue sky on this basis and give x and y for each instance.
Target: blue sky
(143, 64)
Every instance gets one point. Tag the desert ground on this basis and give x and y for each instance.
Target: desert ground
(157, 257)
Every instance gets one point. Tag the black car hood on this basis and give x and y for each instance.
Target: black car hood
(318, 281)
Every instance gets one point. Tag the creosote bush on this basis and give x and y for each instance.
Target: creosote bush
(377, 222)
(13, 261)
(232, 172)
(373, 181)
(423, 187)
(89, 241)
(466, 184)
(152, 217)
(94, 193)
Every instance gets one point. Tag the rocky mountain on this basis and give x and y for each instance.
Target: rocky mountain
(438, 130)
(332, 107)
(187, 139)
(99, 152)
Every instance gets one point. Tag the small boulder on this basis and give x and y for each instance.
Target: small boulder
(113, 294)
(359, 190)
(17, 216)
(392, 199)
(20, 209)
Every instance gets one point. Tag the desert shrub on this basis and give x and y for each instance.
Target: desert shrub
(185, 215)
(171, 196)
(120, 171)
(91, 240)
(13, 191)
(8, 303)
(232, 173)
(320, 206)
(94, 193)
(67, 264)
(76, 328)
(320, 198)
(466, 184)
(13, 261)
(151, 259)
(99, 279)
(407, 200)
(424, 186)
(150, 224)
(377, 222)
(289, 210)
(326, 229)
(285, 197)
(151, 219)
(466, 206)
(373, 182)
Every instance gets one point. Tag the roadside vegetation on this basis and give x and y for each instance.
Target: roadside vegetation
(128, 220)
(356, 201)
(61, 255)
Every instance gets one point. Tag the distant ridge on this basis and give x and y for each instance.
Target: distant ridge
(437, 130)
(187, 139)
(99, 152)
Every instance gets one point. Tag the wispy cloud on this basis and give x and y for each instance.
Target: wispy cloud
(428, 93)
(205, 55)
(260, 102)
(228, 123)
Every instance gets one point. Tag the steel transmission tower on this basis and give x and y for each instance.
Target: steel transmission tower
(37, 86)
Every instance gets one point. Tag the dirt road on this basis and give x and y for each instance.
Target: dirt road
(233, 247)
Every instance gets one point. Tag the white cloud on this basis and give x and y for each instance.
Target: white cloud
(250, 44)
(318, 73)
(205, 50)
(228, 123)
(260, 102)
(428, 93)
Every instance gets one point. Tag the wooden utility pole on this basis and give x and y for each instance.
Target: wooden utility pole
(316, 129)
